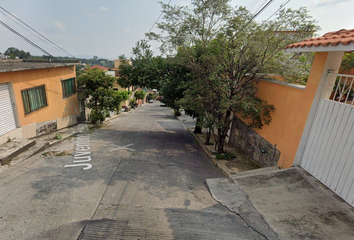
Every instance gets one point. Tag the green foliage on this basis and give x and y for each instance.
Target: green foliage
(80, 70)
(118, 97)
(225, 51)
(150, 96)
(177, 113)
(97, 116)
(225, 156)
(13, 52)
(291, 69)
(58, 136)
(98, 86)
(348, 62)
(140, 94)
(255, 109)
(144, 70)
(173, 82)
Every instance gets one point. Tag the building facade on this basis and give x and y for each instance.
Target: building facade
(36, 97)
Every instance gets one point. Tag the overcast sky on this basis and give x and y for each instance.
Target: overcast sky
(108, 28)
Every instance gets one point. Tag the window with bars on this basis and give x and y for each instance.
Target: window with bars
(34, 99)
(69, 87)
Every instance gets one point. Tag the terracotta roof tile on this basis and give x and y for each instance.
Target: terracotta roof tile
(100, 67)
(342, 36)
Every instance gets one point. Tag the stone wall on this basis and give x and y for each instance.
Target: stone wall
(254, 145)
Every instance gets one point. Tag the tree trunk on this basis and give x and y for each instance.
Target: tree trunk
(197, 129)
(221, 140)
(222, 132)
(207, 140)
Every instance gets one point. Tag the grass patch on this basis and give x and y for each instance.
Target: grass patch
(224, 156)
(6, 162)
(58, 136)
(56, 154)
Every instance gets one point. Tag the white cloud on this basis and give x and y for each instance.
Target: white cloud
(90, 14)
(104, 9)
(126, 30)
(59, 26)
(323, 3)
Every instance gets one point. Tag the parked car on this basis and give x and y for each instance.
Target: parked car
(151, 101)
(159, 98)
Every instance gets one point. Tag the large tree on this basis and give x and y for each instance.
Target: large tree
(165, 74)
(227, 50)
(101, 96)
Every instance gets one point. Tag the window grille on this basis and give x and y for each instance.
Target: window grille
(34, 99)
(69, 87)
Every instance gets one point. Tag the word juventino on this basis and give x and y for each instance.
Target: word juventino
(82, 157)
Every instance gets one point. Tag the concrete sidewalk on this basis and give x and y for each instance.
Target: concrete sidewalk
(297, 206)
(292, 204)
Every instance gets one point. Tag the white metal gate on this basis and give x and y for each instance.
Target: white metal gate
(329, 152)
(7, 117)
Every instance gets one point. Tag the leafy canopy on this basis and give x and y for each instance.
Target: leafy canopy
(226, 52)
(101, 96)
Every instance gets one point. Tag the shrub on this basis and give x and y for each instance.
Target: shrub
(97, 117)
(177, 113)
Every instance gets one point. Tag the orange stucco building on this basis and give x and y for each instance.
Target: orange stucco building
(36, 97)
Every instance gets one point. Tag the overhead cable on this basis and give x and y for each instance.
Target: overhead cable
(259, 12)
(281, 6)
(26, 39)
(157, 20)
(261, 5)
(52, 43)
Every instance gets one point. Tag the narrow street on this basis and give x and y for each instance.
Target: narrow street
(147, 181)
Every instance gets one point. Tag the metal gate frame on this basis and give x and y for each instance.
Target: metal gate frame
(329, 151)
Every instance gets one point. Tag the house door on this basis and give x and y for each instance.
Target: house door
(329, 152)
(7, 116)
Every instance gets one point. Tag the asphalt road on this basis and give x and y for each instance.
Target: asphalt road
(147, 181)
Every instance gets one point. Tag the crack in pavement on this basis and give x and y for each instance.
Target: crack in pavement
(230, 196)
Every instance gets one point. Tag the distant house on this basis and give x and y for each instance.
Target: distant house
(36, 97)
(100, 67)
(117, 63)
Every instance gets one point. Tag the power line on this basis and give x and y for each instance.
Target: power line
(26, 39)
(261, 5)
(281, 6)
(259, 12)
(28, 30)
(157, 20)
(52, 43)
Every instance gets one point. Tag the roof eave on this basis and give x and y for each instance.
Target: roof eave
(329, 48)
(25, 68)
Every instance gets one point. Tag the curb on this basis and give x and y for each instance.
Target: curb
(17, 152)
(218, 164)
